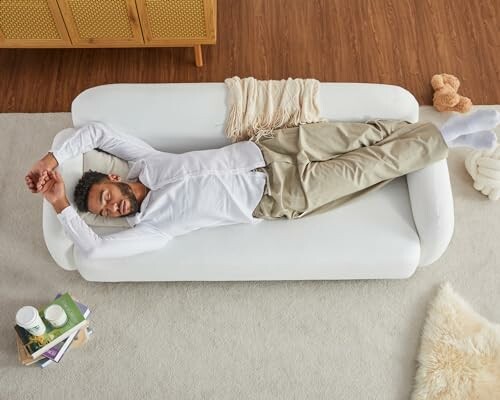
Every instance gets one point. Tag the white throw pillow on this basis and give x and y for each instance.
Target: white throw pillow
(107, 164)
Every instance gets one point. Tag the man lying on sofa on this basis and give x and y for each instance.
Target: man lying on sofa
(293, 173)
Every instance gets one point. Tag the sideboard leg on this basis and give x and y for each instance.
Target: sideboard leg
(198, 55)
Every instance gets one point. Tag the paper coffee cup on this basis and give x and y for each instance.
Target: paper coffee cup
(27, 317)
(55, 315)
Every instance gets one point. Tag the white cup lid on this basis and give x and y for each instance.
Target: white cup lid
(26, 315)
(54, 312)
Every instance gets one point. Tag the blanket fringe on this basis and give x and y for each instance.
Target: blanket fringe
(257, 108)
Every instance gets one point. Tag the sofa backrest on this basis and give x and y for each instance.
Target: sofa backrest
(178, 117)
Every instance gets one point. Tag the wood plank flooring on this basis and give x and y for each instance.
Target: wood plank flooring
(402, 42)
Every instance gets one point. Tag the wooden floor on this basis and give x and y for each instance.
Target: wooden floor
(401, 42)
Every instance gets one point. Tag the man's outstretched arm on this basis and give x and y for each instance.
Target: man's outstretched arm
(86, 138)
(101, 136)
(137, 240)
(140, 239)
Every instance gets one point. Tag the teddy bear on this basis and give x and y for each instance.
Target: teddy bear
(446, 97)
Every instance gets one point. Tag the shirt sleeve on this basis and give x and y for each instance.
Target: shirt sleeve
(139, 239)
(101, 136)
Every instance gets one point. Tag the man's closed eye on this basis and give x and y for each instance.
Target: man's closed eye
(104, 198)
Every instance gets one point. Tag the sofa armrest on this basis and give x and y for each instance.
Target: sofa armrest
(59, 245)
(432, 206)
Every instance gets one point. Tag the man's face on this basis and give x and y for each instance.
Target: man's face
(112, 198)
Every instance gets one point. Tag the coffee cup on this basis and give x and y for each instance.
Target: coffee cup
(55, 315)
(27, 317)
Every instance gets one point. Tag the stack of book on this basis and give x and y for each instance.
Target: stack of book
(50, 347)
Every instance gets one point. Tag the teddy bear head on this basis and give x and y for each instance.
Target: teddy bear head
(446, 97)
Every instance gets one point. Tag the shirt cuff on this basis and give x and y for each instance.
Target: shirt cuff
(67, 214)
(59, 158)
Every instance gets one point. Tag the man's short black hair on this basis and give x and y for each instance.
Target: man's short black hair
(83, 186)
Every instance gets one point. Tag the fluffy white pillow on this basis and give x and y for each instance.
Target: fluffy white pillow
(107, 164)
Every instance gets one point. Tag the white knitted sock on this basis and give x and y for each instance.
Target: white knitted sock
(478, 140)
(458, 125)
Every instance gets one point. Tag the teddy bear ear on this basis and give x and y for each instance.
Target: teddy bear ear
(451, 80)
(437, 82)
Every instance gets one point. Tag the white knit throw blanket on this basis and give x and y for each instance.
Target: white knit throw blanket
(256, 107)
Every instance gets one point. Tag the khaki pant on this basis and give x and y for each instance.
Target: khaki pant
(316, 167)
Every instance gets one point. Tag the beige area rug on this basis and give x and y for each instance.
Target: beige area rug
(459, 354)
(229, 340)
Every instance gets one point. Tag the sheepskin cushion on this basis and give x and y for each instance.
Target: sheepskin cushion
(108, 164)
(459, 354)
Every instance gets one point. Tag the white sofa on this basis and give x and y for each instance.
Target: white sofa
(385, 234)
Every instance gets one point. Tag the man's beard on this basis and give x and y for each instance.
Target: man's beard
(129, 194)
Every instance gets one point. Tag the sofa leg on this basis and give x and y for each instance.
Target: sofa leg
(198, 55)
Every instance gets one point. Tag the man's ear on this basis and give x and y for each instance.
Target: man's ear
(114, 178)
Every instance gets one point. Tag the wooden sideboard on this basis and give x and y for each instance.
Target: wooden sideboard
(108, 23)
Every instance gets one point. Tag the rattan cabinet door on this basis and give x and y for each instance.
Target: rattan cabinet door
(178, 22)
(102, 23)
(34, 23)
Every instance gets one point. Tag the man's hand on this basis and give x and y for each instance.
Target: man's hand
(35, 179)
(53, 190)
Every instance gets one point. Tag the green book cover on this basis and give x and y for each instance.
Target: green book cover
(37, 345)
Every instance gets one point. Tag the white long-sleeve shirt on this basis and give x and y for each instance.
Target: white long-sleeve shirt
(188, 191)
